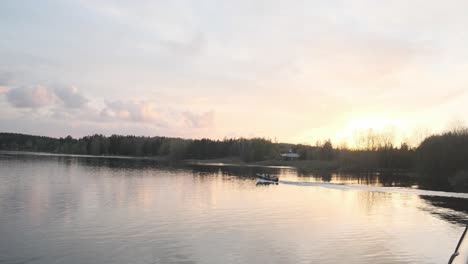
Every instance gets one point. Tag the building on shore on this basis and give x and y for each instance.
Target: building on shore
(290, 155)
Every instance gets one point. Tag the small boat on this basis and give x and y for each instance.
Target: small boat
(266, 177)
(460, 256)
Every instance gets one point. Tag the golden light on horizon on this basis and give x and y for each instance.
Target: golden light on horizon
(395, 129)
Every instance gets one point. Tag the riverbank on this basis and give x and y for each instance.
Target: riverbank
(304, 166)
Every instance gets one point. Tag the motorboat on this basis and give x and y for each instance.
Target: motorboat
(266, 177)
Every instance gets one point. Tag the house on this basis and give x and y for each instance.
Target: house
(290, 155)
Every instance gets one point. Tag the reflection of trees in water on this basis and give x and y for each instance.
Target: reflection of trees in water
(130, 164)
(396, 180)
(454, 210)
(114, 163)
(237, 173)
(371, 201)
(243, 172)
(324, 176)
(374, 179)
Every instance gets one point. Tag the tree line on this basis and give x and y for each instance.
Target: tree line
(438, 156)
(249, 150)
(445, 156)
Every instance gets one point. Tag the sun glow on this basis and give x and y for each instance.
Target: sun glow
(394, 127)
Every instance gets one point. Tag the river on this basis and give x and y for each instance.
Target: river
(65, 209)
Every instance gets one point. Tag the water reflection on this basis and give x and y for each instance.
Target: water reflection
(85, 210)
(384, 180)
(454, 210)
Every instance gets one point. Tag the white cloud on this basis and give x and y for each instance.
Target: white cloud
(70, 97)
(36, 96)
(39, 96)
(199, 120)
(142, 111)
(135, 111)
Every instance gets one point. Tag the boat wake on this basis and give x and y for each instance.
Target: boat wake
(369, 188)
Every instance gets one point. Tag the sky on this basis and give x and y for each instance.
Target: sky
(291, 71)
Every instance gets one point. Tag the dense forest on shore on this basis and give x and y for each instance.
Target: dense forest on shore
(440, 157)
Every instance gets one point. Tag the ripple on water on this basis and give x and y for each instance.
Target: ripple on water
(56, 211)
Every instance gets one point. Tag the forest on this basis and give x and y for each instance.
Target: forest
(439, 156)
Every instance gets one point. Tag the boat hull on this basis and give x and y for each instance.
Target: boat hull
(264, 177)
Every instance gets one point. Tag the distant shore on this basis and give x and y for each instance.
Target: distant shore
(440, 158)
(305, 166)
(299, 164)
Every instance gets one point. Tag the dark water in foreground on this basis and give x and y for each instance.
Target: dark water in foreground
(90, 210)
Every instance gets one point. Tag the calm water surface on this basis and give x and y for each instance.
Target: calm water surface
(95, 210)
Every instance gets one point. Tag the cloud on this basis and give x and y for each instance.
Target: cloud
(135, 111)
(30, 97)
(192, 45)
(38, 96)
(147, 112)
(199, 120)
(311, 64)
(70, 97)
(4, 78)
(3, 89)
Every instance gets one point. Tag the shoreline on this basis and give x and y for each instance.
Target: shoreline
(304, 166)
